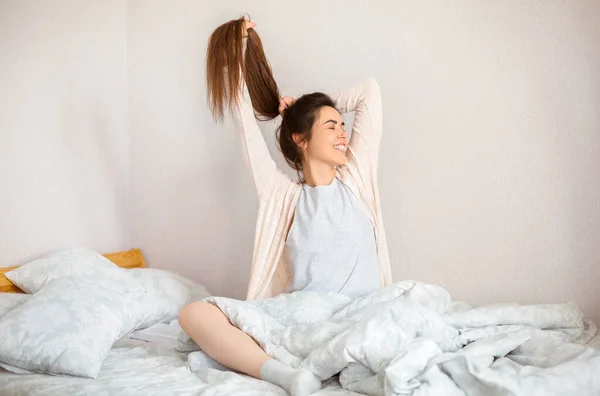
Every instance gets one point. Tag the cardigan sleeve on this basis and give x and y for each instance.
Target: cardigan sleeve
(364, 98)
(257, 157)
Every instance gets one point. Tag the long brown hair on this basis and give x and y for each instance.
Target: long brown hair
(225, 52)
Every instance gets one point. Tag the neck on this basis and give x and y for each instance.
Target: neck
(318, 173)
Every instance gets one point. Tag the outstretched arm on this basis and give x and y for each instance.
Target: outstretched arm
(261, 165)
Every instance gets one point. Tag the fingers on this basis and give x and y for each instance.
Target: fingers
(282, 106)
(288, 100)
(285, 102)
(248, 25)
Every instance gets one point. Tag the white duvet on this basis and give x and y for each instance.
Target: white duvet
(409, 339)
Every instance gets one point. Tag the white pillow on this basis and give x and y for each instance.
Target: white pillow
(9, 301)
(78, 263)
(166, 294)
(66, 328)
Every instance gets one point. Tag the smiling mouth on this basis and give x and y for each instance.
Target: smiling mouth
(340, 147)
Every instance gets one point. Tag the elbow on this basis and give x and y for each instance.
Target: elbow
(372, 84)
(372, 91)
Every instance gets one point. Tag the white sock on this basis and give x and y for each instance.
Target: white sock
(298, 382)
(200, 360)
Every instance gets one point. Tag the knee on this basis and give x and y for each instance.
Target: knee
(196, 314)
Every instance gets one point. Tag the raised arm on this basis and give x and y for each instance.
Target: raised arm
(261, 165)
(364, 98)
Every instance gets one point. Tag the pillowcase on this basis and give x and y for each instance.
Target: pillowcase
(166, 294)
(66, 328)
(8, 301)
(79, 263)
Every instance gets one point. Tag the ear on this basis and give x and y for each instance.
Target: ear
(299, 140)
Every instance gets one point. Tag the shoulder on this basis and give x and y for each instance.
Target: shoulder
(282, 186)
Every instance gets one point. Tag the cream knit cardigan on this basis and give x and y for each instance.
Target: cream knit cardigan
(278, 194)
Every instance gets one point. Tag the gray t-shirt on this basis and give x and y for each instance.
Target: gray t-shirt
(331, 244)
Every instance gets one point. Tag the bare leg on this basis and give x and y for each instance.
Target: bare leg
(227, 344)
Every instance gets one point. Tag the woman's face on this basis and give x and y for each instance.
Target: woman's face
(329, 141)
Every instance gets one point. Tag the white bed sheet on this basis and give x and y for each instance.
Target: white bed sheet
(595, 342)
(136, 367)
(159, 333)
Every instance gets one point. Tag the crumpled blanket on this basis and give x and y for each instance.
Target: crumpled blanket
(410, 339)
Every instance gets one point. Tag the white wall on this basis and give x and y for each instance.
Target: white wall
(64, 143)
(490, 175)
(490, 166)
(497, 195)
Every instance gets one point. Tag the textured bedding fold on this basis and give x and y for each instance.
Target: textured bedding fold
(407, 339)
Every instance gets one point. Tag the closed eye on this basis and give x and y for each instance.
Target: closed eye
(343, 124)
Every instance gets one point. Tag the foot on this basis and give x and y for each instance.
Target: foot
(304, 383)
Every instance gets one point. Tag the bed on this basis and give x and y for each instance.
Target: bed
(407, 339)
(136, 367)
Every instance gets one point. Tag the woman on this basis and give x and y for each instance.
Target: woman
(324, 233)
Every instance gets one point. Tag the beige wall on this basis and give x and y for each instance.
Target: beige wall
(64, 139)
(490, 166)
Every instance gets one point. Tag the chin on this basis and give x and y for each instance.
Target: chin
(340, 162)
